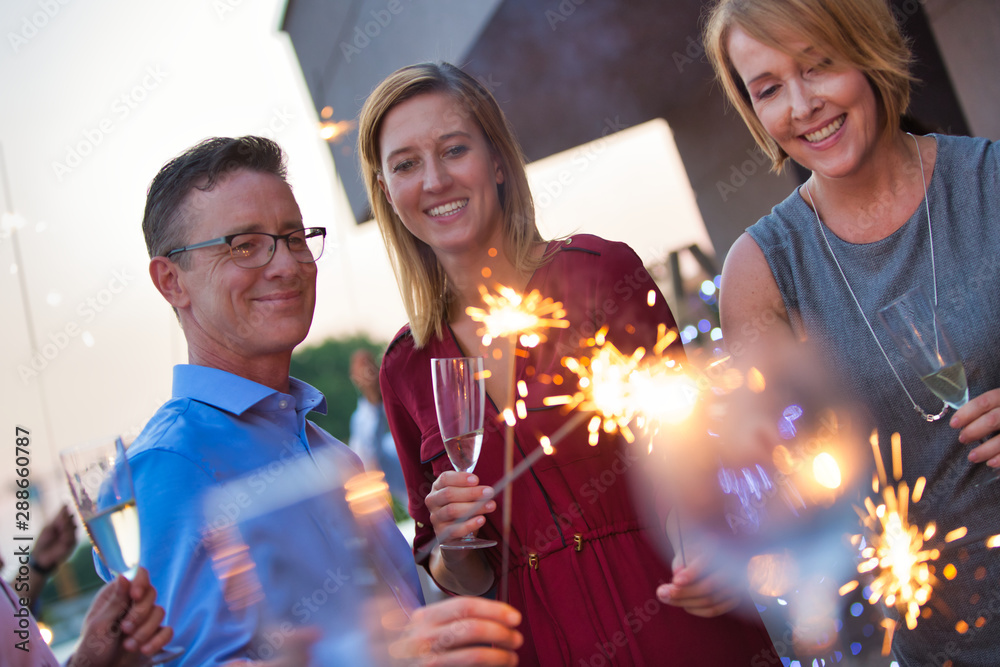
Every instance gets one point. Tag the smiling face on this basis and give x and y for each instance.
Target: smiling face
(824, 116)
(231, 315)
(440, 175)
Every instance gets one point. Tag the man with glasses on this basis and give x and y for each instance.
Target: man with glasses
(231, 254)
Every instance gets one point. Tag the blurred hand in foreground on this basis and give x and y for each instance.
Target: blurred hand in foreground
(123, 625)
(460, 631)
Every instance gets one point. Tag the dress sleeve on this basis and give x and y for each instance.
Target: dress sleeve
(418, 476)
(171, 516)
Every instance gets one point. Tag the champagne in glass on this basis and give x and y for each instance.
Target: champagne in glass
(949, 384)
(115, 534)
(100, 479)
(460, 401)
(918, 333)
(463, 450)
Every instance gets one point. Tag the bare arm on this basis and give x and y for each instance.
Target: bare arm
(751, 310)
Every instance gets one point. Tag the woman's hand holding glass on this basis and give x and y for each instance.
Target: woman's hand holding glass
(980, 419)
(451, 498)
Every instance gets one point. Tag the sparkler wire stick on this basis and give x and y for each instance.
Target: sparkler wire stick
(508, 465)
(680, 537)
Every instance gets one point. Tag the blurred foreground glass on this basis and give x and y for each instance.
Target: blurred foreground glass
(304, 551)
(100, 479)
(759, 480)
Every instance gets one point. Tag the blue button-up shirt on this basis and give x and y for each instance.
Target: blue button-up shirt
(220, 429)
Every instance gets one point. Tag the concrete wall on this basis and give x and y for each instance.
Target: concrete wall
(968, 35)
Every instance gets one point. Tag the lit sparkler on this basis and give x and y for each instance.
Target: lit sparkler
(895, 551)
(604, 387)
(519, 318)
(509, 313)
(617, 387)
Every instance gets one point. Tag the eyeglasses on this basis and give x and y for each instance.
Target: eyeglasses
(252, 250)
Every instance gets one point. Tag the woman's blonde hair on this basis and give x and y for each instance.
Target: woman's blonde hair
(420, 277)
(859, 33)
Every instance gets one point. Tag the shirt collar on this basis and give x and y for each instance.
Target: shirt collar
(236, 394)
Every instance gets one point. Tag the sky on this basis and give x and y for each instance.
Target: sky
(96, 97)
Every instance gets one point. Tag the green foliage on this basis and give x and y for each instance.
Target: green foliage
(76, 576)
(327, 367)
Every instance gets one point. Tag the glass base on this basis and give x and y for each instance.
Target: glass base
(468, 542)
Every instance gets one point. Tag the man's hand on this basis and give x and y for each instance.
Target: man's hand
(461, 631)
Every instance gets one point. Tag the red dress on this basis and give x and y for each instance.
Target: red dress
(583, 569)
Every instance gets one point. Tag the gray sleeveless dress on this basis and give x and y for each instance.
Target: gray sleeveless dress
(964, 199)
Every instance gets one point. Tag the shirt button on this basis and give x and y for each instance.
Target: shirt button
(283, 404)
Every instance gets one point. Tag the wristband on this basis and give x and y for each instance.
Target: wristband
(44, 571)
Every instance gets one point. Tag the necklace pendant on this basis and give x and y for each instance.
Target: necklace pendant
(930, 418)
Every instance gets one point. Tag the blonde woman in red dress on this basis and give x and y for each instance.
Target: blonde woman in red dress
(447, 185)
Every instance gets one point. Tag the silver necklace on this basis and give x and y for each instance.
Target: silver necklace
(930, 234)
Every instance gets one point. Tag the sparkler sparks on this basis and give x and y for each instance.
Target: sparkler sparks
(896, 555)
(604, 388)
(618, 387)
(895, 550)
(509, 313)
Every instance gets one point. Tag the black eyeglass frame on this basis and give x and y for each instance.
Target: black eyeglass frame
(228, 240)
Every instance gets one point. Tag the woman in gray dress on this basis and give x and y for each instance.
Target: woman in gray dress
(824, 83)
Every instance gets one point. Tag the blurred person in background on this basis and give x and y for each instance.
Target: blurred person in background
(54, 544)
(370, 434)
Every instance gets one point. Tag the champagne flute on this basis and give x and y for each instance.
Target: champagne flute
(460, 400)
(100, 479)
(918, 333)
